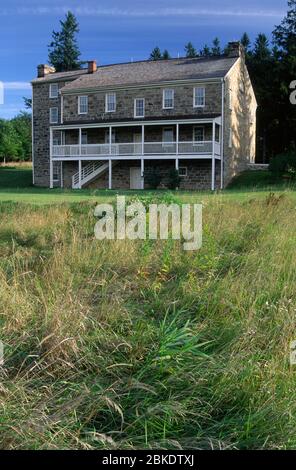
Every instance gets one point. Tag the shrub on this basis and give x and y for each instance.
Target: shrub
(174, 179)
(152, 178)
(284, 164)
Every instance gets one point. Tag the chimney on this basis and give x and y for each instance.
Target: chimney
(92, 66)
(235, 49)
(44, 69)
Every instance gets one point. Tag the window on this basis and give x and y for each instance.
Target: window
(182, 171)
(139, 107)
(230, 138)
(84, 138)
(110, 102)
(199, 97)
(107, 136)
(168, 98)
(56, 169)
(167, 136)
(198, 134)
(53, 90)
(54, 115)
(55, 141)
(82, 104)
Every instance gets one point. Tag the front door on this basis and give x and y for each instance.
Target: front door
(135, 178)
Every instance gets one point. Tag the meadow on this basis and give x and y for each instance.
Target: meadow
(139, 344)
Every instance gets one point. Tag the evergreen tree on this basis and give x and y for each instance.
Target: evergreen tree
(206, 51)
(63, 50)
(245, 42)
(190, 50)
(216, 49)
(155, 54)
(165, 55)
(262, 50)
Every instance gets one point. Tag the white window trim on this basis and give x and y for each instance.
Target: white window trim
(50, 115)
(51, 96)
(84, 133)
(163, 98)
(79, 110)
(186, 172)
(164, 143)
(106, 103)
(135, 107)
(194, 97)
(198, 142)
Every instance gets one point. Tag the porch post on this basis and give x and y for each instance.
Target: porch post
(79, 170)
(213, 157)
(61, 175)
(110, 173)
(80, 140)
(110, 140)
(143, 139)
(50, 160)
(177, 164)
(177, 139)
(142, 173)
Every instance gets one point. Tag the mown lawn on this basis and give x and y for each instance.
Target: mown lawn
(121, 344)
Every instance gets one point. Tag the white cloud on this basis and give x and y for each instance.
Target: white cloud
(17, 86)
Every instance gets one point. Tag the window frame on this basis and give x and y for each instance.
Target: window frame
(51, 96)
(164, 98)
(79, 104)
(167, 143)
(50, 115)
(186, 171)
(84, 133)
(135, 107)
(195, 95)
(198, 142)
(107, 110)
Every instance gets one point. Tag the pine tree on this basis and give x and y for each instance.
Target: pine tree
(165, 55)
(246, 43)
(63, 50)
(216, 49)
(261, 48)
(155, 54)
(206, 51)
(190, 50)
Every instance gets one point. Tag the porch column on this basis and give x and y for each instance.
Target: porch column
(177, 139)
(79, 170)
(50, 159)
(177, 164)
(142, 173)
(110, 174)
(61, 175)
(143, 139)
(110, 140)
(213, 157)
(80, 140)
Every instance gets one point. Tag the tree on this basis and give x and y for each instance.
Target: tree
(27, 102)
(190, 50)
(22, 125)
(206, 51)
(165, 55)
(245, 42)
(155, 54)
(63, 50)
(9, 144)
(216, 49)
(262, 50)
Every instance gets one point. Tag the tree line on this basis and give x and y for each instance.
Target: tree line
(271, 64)
(15, 138)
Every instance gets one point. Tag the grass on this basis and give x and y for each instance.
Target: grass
(128, 345)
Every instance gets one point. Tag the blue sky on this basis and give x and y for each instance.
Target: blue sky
(119, 31)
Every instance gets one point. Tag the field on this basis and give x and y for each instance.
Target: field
(128, 345)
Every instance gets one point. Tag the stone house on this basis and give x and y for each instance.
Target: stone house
(107, 126)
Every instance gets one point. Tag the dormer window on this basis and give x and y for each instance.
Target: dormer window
(53, 90)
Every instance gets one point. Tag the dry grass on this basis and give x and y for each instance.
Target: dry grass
(143, 345)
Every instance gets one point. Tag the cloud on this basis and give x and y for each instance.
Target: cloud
(144, 13)
(17, 86)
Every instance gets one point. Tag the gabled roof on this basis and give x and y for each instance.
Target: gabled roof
(151, 72)
(60, 76)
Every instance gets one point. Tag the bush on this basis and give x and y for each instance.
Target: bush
(284, 164)
(152, 178)
(174, 179)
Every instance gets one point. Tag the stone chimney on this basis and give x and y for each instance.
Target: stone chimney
(44, 69)
(235, 49)
(92, 66)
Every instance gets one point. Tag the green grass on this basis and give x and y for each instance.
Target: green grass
(140, 344)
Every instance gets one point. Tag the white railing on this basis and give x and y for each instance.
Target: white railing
(86, 171)
(127, 149)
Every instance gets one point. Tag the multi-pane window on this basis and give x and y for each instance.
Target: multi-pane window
(139, 107)
(168, 98)
(168, 136)
(56, 171)
(82, 104)
(84, 138)
(107, 136)
(53, 90)
(54, 115)
(198, 134)
(199, 97)
(110, 102)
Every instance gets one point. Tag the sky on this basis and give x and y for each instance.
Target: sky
(114, 31)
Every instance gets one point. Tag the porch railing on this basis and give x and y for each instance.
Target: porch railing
(134, 149)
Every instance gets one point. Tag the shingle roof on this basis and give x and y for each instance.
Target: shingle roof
(51, 77)
(147, 72)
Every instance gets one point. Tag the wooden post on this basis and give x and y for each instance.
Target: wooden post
(110, 174)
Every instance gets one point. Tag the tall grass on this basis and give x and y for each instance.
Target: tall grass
(141, 345)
